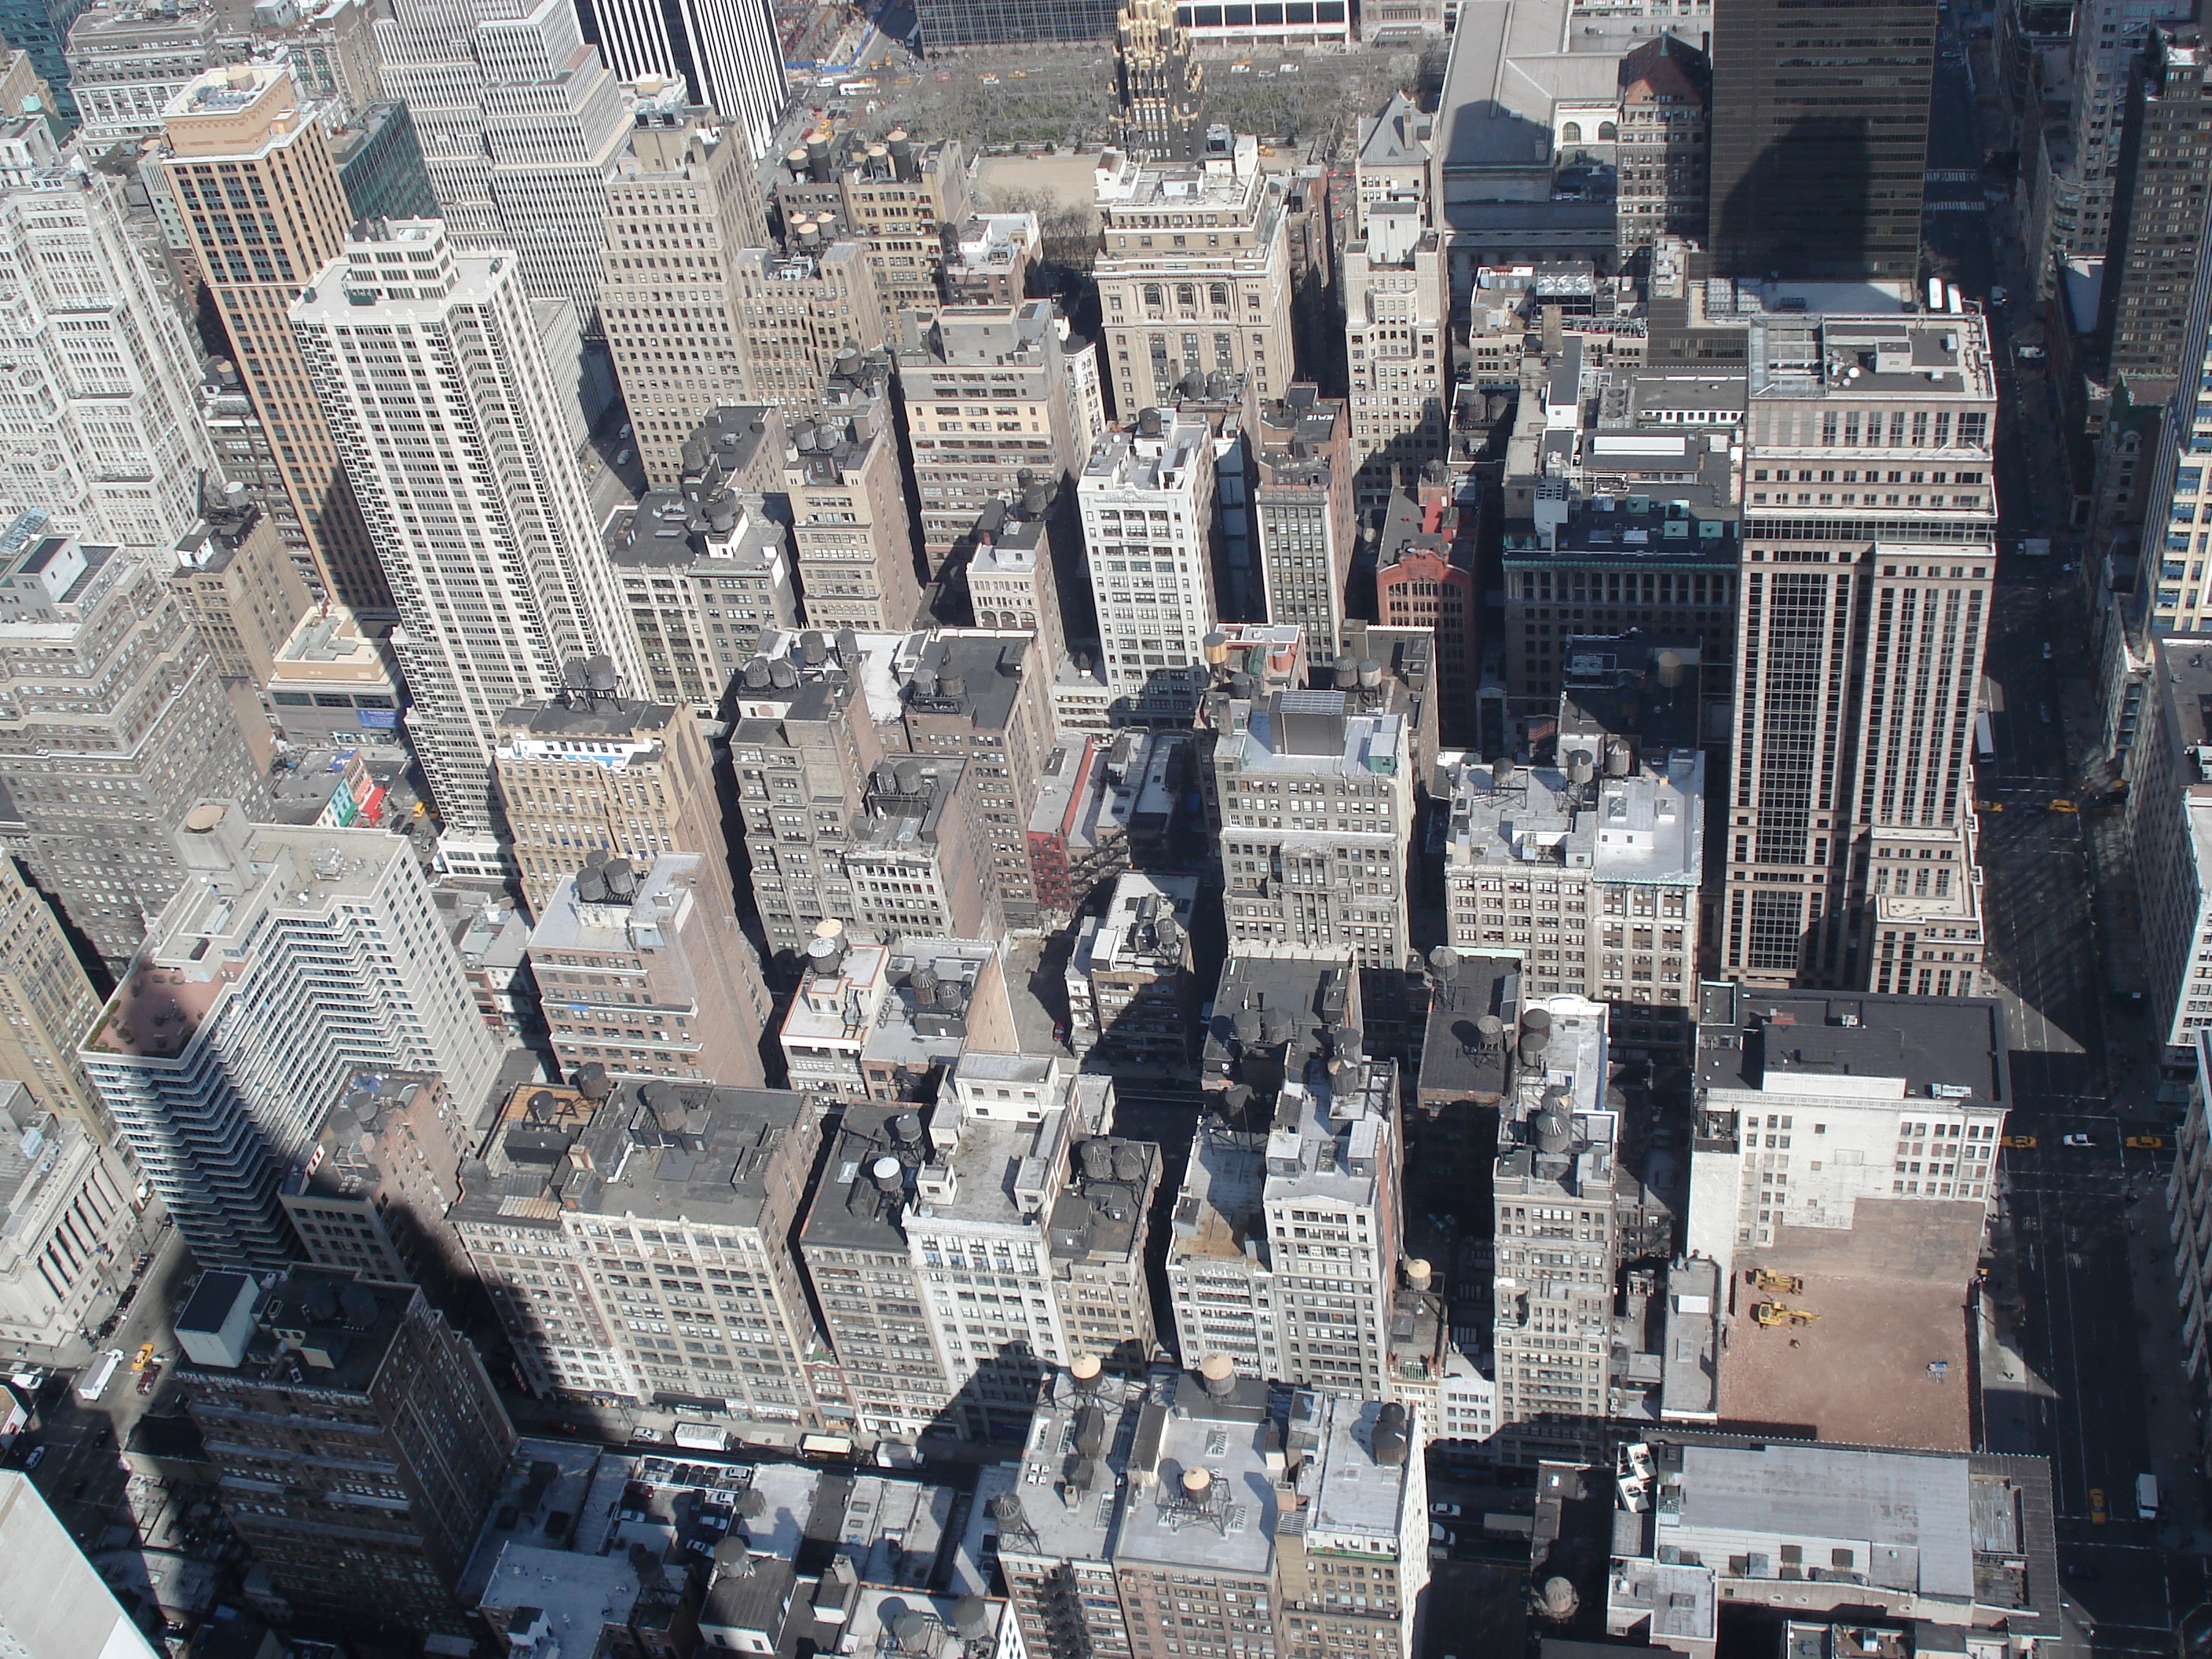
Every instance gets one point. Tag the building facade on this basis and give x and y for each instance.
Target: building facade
(332, 962)
(74, 1223)
(243, 151)
(94, 788)
(406, 327)
(46, 1004)
(1174, 309)
(1153, 490)
(1819, 177)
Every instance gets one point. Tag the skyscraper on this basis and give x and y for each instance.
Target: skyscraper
(626, 779)
(102, 431)
(2151, 270)
(1879, 589)
(1819, 136)
(482, 520)
(134, 727)
(45, 1003)
(54, 1604)
(1174, 306)
(292, 959)
(945, 23)
(260, 200)
(1396, 307)
(680, 182)
(520, 123)
(728, 56)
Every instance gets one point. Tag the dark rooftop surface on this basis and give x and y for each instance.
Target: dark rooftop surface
(1457, 1061)
(1955, 1042)
(853, 1209)
(976, 675)
(315, 1329)
(588, 717)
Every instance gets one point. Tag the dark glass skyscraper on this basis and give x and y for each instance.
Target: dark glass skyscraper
(1819, 136)
(983, 22)
(40, 27)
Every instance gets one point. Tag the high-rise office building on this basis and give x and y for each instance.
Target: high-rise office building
(1316, 797)
(521, 124)
(681, 181)
(1146, 499)
(728, 57)
(2151, 270)
(946, 23)
(979, 1235)
(101, 769)
(39, 30)
(986, 394)
(852, 537)
(1011, 581)
(1158, 79)
(644, 972)
(1362, 1486)
(484, 526)
(1303, 492)
(371, 1197)
(985, 697)
(1424, 578)
(1851, 816)
(1129, 978)
(1820, 143)
(705, 570)
(54, 1604)
(331, 47)
(652, 1258)
(103, 435)
(2078, 165)
(1176, 308)
(900, 198)
(238, 583)
(46, 1003)
(1588, 870)
(367, 1431)
(580, 773)
(1396, 309)
(1558, 1147)
(328, 959)
(244, 153)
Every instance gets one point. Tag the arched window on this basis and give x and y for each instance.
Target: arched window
(1607, 132)
(1152, 296)
(1187, 295)
(1570, 133)
(1220, 296)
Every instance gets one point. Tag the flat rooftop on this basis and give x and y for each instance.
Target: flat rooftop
(1349, 1493)
(1227, 1524)
(1792, 1041)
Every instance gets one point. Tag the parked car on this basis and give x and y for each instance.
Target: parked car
(2032, 354)
(2076, 1140)
(38, 1457)
(1438, 1534)
(1449, 1510)
(2019, 1141)
(149, 1377)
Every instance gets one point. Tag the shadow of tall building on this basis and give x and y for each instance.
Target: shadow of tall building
(1819, 137)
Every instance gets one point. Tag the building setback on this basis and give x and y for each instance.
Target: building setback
(94, 788)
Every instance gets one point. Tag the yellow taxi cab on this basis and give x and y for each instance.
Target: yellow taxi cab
(2145, 1143)
(2020, 1141)
(1988, 806)
(2063, 806)
(2097, 1513)
(145, 1354)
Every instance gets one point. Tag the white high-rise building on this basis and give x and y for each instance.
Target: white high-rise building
(520, 124)
(449, 418)
(99, 424)
(728, 54)
(53, 1603)
(1147, 499)
(290, 959)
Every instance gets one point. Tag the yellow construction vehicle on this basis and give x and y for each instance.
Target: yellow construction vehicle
(1774, 1313)
(1765, 1279)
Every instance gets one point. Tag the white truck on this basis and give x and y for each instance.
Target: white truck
(93, 1384)
(2147, 1497)
(700, 1436)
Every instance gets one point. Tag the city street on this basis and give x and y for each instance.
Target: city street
(2065, 1370)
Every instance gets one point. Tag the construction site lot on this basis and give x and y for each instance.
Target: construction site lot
(1883, 1362)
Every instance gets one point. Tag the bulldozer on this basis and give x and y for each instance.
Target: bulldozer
(1774, 1313)
(1766, 1280)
